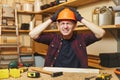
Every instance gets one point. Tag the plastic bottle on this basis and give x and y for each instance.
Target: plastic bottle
(37, 5)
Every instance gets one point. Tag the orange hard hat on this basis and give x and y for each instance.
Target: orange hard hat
(66, 14)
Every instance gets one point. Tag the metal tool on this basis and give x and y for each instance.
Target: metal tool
(104, 76)
(53, 74)
(88, 78)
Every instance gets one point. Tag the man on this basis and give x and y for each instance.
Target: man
(67, 49)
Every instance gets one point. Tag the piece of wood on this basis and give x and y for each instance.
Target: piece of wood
(94, 61)
(40, 48)
(76, 70)
(40, 70)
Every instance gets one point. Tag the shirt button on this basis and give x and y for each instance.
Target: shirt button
(58, 51)
(61, 38)
(52, 45)
(80, 45)
(54, 58)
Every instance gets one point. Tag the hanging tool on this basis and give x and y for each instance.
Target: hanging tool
(53, 74)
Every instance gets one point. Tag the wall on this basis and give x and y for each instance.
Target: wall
(108, 43)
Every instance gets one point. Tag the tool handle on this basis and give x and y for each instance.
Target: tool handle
(41, 70)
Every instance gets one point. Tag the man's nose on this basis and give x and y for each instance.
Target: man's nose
(66, 26)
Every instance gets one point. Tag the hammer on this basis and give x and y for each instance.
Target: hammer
(53, 74)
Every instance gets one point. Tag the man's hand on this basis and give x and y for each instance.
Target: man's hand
(54, 17)
(78, 16)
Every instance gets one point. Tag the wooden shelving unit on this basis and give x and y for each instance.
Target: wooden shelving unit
(9, 48)
(76, 29)
(73, 3)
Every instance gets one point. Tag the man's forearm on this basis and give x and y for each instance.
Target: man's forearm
(39, 29)
(99, 32)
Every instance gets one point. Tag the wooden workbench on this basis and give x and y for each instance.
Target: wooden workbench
(65, 76)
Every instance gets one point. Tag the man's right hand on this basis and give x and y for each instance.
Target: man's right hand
(54, 17)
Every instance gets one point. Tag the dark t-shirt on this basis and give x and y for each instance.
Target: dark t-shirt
(67, 57)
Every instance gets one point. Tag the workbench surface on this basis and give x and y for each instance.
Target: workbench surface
(65, 76)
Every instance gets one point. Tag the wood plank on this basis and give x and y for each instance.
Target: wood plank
(84, 28)
(40, 48)
(94, 61)
(95, 57)
(76, 70)
(9, 53)
(8, 45)
(76, 29)
(94, 65)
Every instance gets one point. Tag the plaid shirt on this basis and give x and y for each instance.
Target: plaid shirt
(79, 44)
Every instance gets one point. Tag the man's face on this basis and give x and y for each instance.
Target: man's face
(66, 27)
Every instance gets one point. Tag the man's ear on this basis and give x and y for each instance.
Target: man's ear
(57, 24)
(74, 26)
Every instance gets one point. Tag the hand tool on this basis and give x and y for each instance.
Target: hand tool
(53, 74)
(33, 74)
(104, 76)
(23, 69)
(88, 78)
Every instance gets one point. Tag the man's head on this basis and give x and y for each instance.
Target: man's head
(66, 22)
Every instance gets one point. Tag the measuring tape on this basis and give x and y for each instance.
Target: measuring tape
(33, 74)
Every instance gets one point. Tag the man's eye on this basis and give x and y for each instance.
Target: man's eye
(62, 23)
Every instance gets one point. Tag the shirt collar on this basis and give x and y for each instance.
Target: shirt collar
(73, 36)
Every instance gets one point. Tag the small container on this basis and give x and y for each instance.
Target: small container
(60, 1)
(117, 18)
(37, 5)
(27, 7)
(4, 73)
(17, 6)
(105, 16)
(95, 15)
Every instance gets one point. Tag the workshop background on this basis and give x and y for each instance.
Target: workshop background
(109, 44)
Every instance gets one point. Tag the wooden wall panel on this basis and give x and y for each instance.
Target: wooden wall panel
(40, 48)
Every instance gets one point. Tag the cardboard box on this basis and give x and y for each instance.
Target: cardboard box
(8, 12)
